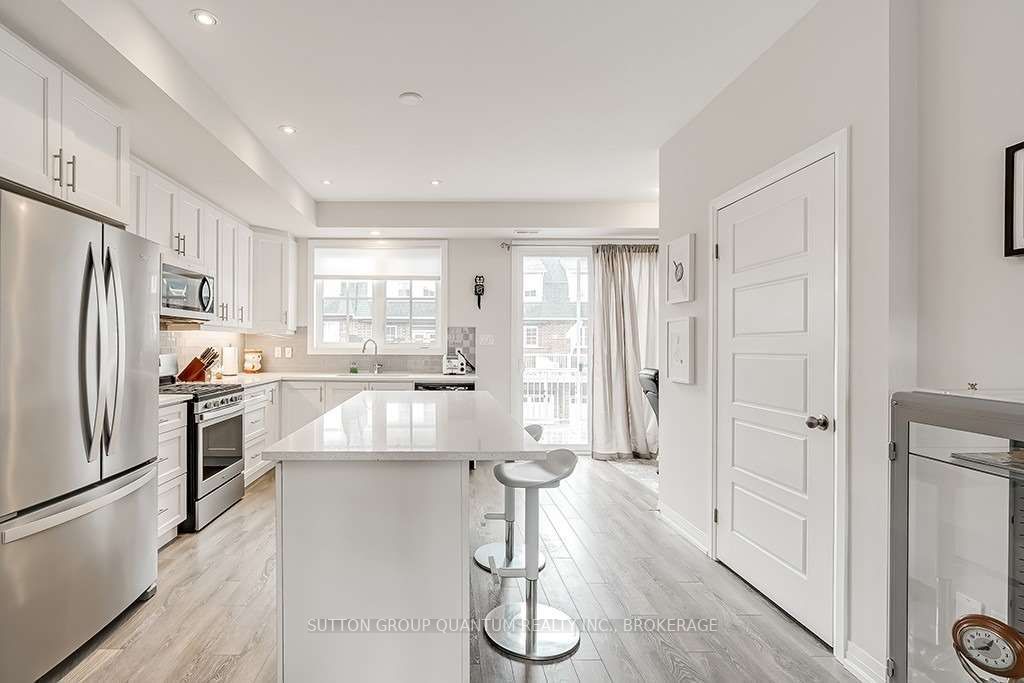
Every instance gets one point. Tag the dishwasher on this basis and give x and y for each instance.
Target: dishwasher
(447, 386)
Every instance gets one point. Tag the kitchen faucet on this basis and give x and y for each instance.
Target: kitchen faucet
(377, 365)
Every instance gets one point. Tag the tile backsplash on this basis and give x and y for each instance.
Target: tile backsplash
(190, 343)
(301, 361)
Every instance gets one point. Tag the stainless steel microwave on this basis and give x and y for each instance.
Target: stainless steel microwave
(185, 294)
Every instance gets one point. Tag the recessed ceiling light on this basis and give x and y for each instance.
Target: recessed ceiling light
(287, 130)
(325, 181)
(410, 98)
(435, 182)
(204, 17)
(375, 233)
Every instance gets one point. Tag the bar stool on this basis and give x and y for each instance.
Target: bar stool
(511, 555)
(525, 629)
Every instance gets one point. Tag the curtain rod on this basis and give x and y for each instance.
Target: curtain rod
(576, 243)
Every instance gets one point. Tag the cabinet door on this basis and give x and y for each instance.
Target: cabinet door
(172, 455)
(273, 412)
(339, 392)
(162, 202)
(190, 226)
(243, 276)
(137, 199)
(30, 112)
(270, 297)
(303, 403)
(225, 282)
(290, 284)
(94, 136)
(209, 246)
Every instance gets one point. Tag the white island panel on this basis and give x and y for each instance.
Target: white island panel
(373, 524)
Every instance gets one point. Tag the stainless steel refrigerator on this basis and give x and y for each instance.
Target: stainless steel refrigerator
(79, 326)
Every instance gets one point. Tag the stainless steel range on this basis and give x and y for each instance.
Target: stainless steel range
(215, 449)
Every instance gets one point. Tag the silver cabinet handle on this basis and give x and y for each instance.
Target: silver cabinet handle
(59, 156)
(74, 173)
(161, 511)
(321, 393)
(183, 248)
(241, 313)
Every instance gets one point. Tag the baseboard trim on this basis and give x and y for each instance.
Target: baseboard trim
(862, 665)
(686, 529)
(252, 476)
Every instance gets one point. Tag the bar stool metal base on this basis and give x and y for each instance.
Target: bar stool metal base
(555, 636)
(497, 551)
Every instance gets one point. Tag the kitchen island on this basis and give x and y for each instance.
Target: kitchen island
(373, 534)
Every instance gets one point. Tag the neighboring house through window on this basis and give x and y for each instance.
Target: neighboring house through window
(392, 292)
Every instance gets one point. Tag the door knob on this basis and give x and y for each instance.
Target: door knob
(817, 422)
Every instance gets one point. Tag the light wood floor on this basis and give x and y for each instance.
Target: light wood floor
(610, 555)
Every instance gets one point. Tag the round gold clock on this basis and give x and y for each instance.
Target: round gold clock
(989, 645)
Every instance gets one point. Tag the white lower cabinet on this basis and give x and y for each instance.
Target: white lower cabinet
(259, 427)
(172, 455)
(171, 508)
(339, 392)
(301, 403)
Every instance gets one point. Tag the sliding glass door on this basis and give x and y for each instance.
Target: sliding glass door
(551, 342)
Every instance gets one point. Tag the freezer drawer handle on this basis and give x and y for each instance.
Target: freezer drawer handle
(32, 528)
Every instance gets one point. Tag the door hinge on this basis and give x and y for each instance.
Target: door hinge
(892, 451)
(716, 251)
(890, 669)
(714, 516)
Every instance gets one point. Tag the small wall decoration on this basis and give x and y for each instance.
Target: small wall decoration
(1014, 201)
(478, 288)
(680, 350)
(680, 269)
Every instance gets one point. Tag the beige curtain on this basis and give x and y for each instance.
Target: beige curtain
(625, 340)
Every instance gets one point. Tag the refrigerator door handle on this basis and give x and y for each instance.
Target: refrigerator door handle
(115, 393)
(38, 526)
(96, 433)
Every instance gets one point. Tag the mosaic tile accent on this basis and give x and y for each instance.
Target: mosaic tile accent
(463, 338)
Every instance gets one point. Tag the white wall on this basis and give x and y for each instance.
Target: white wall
(466, 259)
(972, 108)
(830, 71)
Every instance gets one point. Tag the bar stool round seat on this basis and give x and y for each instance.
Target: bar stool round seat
(507, 554)
(528, 630)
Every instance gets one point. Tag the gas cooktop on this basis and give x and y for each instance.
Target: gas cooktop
(200, 390)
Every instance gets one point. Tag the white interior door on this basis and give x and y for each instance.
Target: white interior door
(776, 284)
(551, 342)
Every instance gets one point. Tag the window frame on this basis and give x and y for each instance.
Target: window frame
(379, 295)
(536, 332)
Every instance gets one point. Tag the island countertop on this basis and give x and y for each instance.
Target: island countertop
(410, 425)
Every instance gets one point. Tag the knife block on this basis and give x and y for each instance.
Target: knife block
(195, 371)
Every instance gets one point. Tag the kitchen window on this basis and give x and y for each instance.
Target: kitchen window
(391, 292)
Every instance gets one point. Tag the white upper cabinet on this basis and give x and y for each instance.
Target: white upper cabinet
(58, 136)
(30, 112)
(162, 206)
(243, 276)
(94, 141)
(226, 231)
(137, 178)
(191, 225)
(275, 259)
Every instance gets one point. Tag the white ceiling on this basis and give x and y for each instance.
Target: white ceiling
(535, 100)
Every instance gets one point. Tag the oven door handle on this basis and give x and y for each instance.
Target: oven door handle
(212, 418)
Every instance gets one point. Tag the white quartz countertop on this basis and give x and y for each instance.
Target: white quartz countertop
(172, 399)
(255, 379)
(411, 425)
